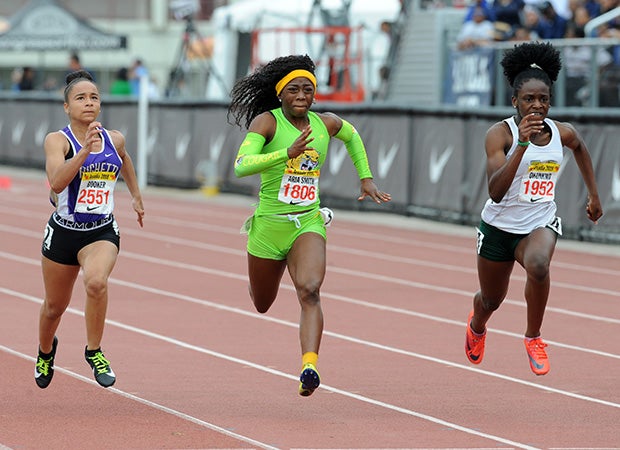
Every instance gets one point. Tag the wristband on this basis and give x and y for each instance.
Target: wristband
(523, 144)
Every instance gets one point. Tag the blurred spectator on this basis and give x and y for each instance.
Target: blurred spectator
(610, 29)
(75, 65)
(488, 9)
(561, 7)
(379, 65)
(121, 85)
(508, 12)
(592, 6)
(26, 83)
(535, 23)
(557, 23)
(503, 31)
(580, 18)
(476, 32)
(50, 84)
(137, 71)
(577, 63)
(16, 77)
(522, 34)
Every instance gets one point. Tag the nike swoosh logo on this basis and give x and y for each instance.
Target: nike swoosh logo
(182, 144)
(294, 203)
(615, 182)
(534, 200)
(107, 155)
(386, 159)
(91, 208)
(534, 363)
(472, 356)
(18, 132)
(336, 158)
(438, 163)
(41, 132)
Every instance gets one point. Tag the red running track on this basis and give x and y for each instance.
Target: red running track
(197, 367)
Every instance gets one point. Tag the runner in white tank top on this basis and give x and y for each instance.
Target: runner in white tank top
(529, 202)
(518, 223)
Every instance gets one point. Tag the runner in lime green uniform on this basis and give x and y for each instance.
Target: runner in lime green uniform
(286, 144)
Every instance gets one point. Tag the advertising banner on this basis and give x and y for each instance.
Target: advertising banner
(469, 80)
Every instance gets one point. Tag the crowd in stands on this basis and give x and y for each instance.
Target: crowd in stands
(513, 19)
(126, 80)
(488, 21)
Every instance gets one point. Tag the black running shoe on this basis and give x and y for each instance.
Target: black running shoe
(309, 380)
(101, 367)
(44, 368)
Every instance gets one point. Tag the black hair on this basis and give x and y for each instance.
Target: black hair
(122, 74)
(256, 93)
(73, 78)
(531, 60)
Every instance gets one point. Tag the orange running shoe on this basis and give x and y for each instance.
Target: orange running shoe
(474, 343)
(536, 354)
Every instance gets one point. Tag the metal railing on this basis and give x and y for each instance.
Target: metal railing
(600, 86)
(600, 20)
(592, 83)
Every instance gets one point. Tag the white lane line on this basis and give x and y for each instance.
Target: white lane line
(144, 401)
(269, 370)
(357, 302)
(289, 324)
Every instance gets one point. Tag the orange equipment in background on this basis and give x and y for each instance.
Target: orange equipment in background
(339, 58)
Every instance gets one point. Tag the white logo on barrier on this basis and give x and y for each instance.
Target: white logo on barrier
(217, 144)
(18, 132)
(438, 163)
(151, 141)
(386, 159)
(615, 182)
(182, 145)
(336, 158)
(41, 132)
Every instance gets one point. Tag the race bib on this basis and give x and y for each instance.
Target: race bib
(538, 185)
(300, 182)
(299, 187)
(95, 194)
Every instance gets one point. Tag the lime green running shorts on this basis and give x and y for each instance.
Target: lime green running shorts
(271, 237)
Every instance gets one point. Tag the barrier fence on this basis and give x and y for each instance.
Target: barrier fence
(432, 160)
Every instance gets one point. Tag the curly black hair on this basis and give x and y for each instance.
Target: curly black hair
(531, 60)
(73, 77)
(256, 93)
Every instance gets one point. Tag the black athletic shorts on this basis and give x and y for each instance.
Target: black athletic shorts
(63, 239)
(499, 245)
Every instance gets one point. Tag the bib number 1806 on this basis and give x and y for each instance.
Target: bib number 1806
(297, 191)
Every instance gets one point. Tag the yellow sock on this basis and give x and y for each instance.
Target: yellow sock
(309, 358)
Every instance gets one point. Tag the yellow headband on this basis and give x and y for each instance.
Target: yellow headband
(294, 74)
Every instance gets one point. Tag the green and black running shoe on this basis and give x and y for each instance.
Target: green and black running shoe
(101, 367)
(44, 368)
